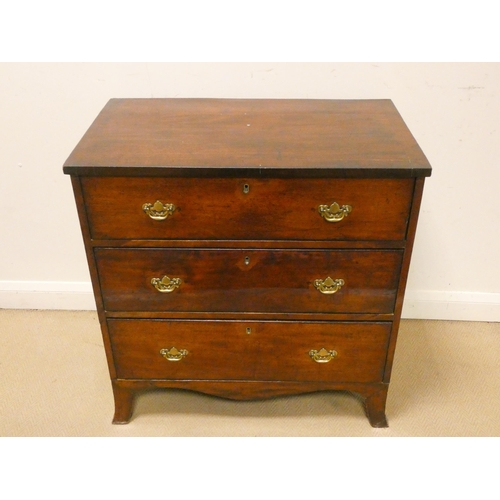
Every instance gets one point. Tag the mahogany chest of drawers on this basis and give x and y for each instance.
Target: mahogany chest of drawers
(249, 248)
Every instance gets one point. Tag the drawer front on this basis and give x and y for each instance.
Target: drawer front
(225, 350)
(248, 209)
(342, 281)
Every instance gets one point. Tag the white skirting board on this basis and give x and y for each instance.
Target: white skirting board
(460, 306)
(418, 304)
(65, 295)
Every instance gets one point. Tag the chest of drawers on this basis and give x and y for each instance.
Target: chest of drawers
(249, 248)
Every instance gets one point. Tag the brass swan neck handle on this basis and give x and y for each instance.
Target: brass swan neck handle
(334, 212)
(158, 210)
(328, 286)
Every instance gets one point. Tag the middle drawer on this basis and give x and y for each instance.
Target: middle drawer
(222, 280)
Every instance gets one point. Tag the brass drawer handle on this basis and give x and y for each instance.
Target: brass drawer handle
(329, 286)
(334, 212)
(158, 210)
(166, 284)
(174, 354)
(322, 356)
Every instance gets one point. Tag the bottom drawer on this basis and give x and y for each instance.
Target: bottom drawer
(246, 350)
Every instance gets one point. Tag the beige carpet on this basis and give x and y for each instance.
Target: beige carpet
(54, 382)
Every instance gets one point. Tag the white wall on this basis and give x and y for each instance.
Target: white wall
(452, 110)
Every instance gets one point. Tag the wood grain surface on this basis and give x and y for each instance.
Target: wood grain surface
(346, 137)
(272, 209)
(220, 280)
(222, 350)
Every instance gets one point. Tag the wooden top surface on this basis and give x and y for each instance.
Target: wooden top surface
(357, 138)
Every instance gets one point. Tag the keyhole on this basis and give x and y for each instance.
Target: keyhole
(247, 261)
(249, 331)
(246, 188)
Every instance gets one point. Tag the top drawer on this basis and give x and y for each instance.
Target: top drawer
(248, 209)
